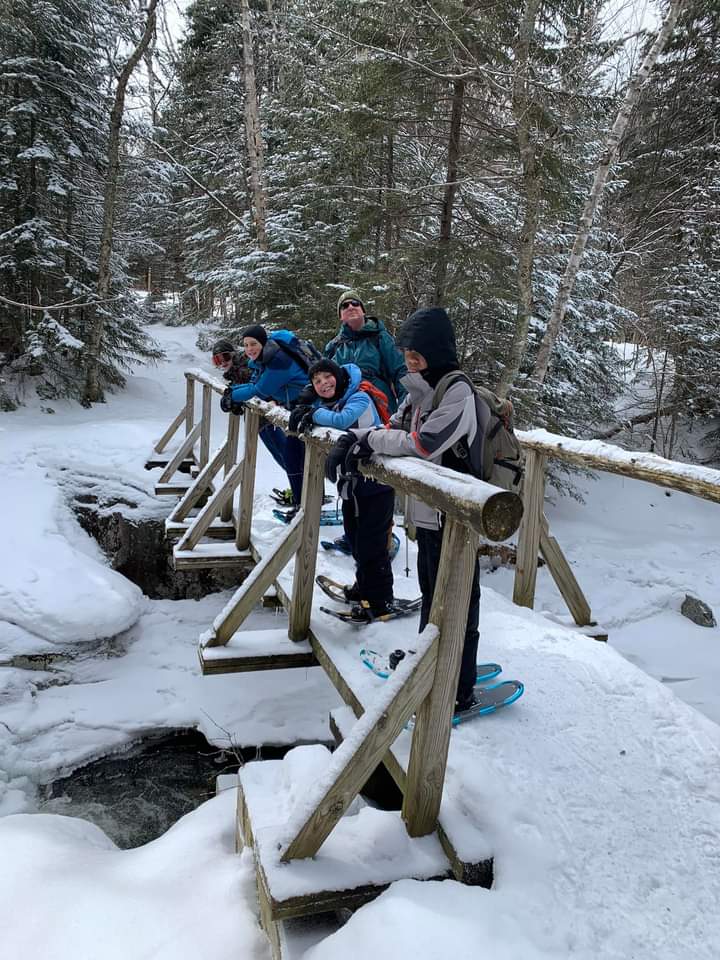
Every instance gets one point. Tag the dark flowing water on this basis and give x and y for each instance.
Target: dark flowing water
(135, 796)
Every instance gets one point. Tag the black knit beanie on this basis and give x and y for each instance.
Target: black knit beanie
(223, 346)
(342, 377)
(256, 332)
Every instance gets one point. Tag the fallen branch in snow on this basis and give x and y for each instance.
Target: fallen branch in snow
(55, 306)
(634, 421)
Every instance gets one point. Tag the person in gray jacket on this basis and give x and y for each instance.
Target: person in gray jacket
(428, 341)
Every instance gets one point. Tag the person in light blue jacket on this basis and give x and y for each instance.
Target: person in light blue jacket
(337, 397)
(277, 376)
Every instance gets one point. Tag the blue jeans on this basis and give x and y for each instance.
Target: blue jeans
(288, 453)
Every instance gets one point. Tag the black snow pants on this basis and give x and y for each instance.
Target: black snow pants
(368, 521)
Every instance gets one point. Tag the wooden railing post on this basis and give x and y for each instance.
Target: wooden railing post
(530, 530)
(306, 558)
(231, 449)
(247, 483)
(206, 418)
(189, 402)
(431, 736)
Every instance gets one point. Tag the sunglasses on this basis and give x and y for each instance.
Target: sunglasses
(220, 359)
(350, 303)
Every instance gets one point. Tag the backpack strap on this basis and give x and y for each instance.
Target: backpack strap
(332, 348)
(444, 384)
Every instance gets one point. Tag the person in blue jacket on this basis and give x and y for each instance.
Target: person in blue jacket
(336, 398)
(364, 341)
(276, 376)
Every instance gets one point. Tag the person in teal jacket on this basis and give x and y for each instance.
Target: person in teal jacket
(364, 341)
(277, 376)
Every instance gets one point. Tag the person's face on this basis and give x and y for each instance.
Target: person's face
(223, 361)
(352, 314)
(252, 347)
(414, 361)
(324, 384)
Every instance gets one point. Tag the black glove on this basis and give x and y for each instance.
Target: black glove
(336, 457)
(359, 452)
(226, 400)
(301, 418)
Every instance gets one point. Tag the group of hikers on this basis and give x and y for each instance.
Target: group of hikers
(382, 392)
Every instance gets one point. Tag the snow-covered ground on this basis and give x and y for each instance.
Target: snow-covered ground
(575, 877)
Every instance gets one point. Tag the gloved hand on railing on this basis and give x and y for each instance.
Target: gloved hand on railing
(301, 418)
(336, 457)
(228, 405)
(358, 452)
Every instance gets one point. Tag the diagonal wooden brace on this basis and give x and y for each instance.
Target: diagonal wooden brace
(369, 741)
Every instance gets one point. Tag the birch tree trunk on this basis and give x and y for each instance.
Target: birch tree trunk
(96, 318)
(632, 95)
(252, 131)
(521, 106)
(446, 214)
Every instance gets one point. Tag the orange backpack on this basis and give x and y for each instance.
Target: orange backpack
(378, 398)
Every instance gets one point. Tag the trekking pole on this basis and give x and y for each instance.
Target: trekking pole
(407, 546)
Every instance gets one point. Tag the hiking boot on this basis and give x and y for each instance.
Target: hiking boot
(343, 545)
(352, 594)
(363, 613)
(465, 704)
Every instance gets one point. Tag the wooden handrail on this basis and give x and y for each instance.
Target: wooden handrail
(493, 513)
(699, 481)
(219, 386)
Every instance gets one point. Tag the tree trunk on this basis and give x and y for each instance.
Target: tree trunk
(658, 403)
(389, 200)
(632, 95)
(252, 130)
(450, 190)
(96, 314)
(521, 106)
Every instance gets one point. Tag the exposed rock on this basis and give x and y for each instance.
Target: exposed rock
(129, 524)
(697, 611)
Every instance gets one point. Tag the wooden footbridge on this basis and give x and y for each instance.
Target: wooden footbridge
(298, 874)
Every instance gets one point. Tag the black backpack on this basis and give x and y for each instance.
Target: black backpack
(303, 352)
(495, 454)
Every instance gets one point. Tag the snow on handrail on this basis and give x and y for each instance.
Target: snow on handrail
(690, 478)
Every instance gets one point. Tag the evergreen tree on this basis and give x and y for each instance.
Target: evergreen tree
(52, 153)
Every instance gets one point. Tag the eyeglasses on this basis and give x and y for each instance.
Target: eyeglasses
(350, 303)
(220, 359)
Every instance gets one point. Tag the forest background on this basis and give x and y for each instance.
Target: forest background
(424, 152)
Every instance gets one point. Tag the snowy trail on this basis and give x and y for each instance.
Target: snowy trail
(597, 792)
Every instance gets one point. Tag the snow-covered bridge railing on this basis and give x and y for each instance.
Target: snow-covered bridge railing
(534, 539)
(425, 686)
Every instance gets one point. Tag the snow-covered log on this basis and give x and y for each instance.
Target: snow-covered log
(595, 455)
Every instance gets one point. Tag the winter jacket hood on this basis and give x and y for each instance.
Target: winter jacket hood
(355, 410)
(429, 332)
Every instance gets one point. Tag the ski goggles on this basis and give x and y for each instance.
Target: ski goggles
(350, 303)
(221, 359)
